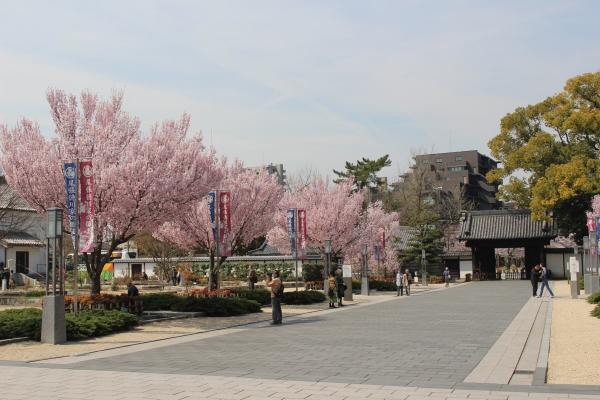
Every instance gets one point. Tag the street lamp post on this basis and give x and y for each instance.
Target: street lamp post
(364, 287)
(424, 267)
(327, 248)
(54, 328)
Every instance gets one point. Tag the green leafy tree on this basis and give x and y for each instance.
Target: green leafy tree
(364, 172)
(428, 237)
(550, 153)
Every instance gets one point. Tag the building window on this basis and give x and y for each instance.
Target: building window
(457, 169)
(439, 160)
(459, 158)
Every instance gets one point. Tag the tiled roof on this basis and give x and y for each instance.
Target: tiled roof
(9, 199)
(504, 225)
(405, 234)
(13, 239)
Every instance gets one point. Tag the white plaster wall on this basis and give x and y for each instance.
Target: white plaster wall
(37, 257)
(466, 267)
(556, 264)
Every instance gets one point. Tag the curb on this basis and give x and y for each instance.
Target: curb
(541, 371)
(13, 340)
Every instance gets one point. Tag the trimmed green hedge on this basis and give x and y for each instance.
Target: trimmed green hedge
(217, 306)
(27, 322)
(262, 296)
(210, 306)
(24, 322)
(381, 286)
(596, 311)
(594, 298)
(303, 297)
(35, 293)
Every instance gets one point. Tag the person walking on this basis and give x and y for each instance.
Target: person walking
(407, 281)
(132, 290)
(276, 286)
(446, 275)
(535, 278)
(252, 278)
(399, 283)
(331, 290)
(174, 277)
(545, 276)
(339, 286)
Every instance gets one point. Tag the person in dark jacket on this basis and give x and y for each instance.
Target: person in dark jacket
(535, 278)
(545, 276)
(132, 290)
(174, 277)
(339, 284)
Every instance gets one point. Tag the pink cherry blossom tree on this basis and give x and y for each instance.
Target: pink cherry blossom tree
(333, 211)
(140, 181)
(255, 196)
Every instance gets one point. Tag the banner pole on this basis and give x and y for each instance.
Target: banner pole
(217, 241)
(76, 244)
(296, 240)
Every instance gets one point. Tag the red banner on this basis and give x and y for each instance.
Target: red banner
(86, 207)
(382, 240)
(301, 232)
(225, 223)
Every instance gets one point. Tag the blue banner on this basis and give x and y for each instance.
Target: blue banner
(598, 230)
(291, 225)
(70, 171)
(212, 211)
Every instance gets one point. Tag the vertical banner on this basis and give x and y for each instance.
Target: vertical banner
(212, 212)
(86, 207)
(591, 224)
(598, 230)
(302, 237)
(377, 251)
(291, 228)
(225, 223)
(382, 239)
(70, 171)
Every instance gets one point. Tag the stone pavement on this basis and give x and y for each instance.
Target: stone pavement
(431, 340)
(414, 348)
(27, 383)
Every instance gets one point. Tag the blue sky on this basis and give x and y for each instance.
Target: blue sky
(306, 83)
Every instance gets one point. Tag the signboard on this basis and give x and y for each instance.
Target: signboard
(70, 171)
(86, 207)
(291, 228)
(347, 271)
(573, 264)
(225, 223)
(382, 239)
(212, 212)
(302, 232)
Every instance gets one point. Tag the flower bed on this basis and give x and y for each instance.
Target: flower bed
(27, 322)
(211, 306)
(122, 302)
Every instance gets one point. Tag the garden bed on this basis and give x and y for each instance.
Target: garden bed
(27, 322)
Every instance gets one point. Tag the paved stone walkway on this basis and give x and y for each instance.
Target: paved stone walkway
(431, 340)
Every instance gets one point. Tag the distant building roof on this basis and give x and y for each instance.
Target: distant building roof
(504, 225)
(12, 239)
(405, 235)
(265, 249)
(11, 200)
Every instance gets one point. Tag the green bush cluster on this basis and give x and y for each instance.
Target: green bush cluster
(303, 297)
(35, 293)
(596, 311)
(210, 306)
(594, 298)
(98, 323)
(27, 322)
(381, 286)
(262, 296)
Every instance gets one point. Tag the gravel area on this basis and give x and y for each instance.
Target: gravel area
(575, 340)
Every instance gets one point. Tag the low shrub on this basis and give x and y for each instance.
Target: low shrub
(35, 293)
(98, 323)
(596, 311)
(303, 297)
(217, 306)
(382, 286)
(262, 296)
(159, 301)
(25, 322)
(594, 298)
